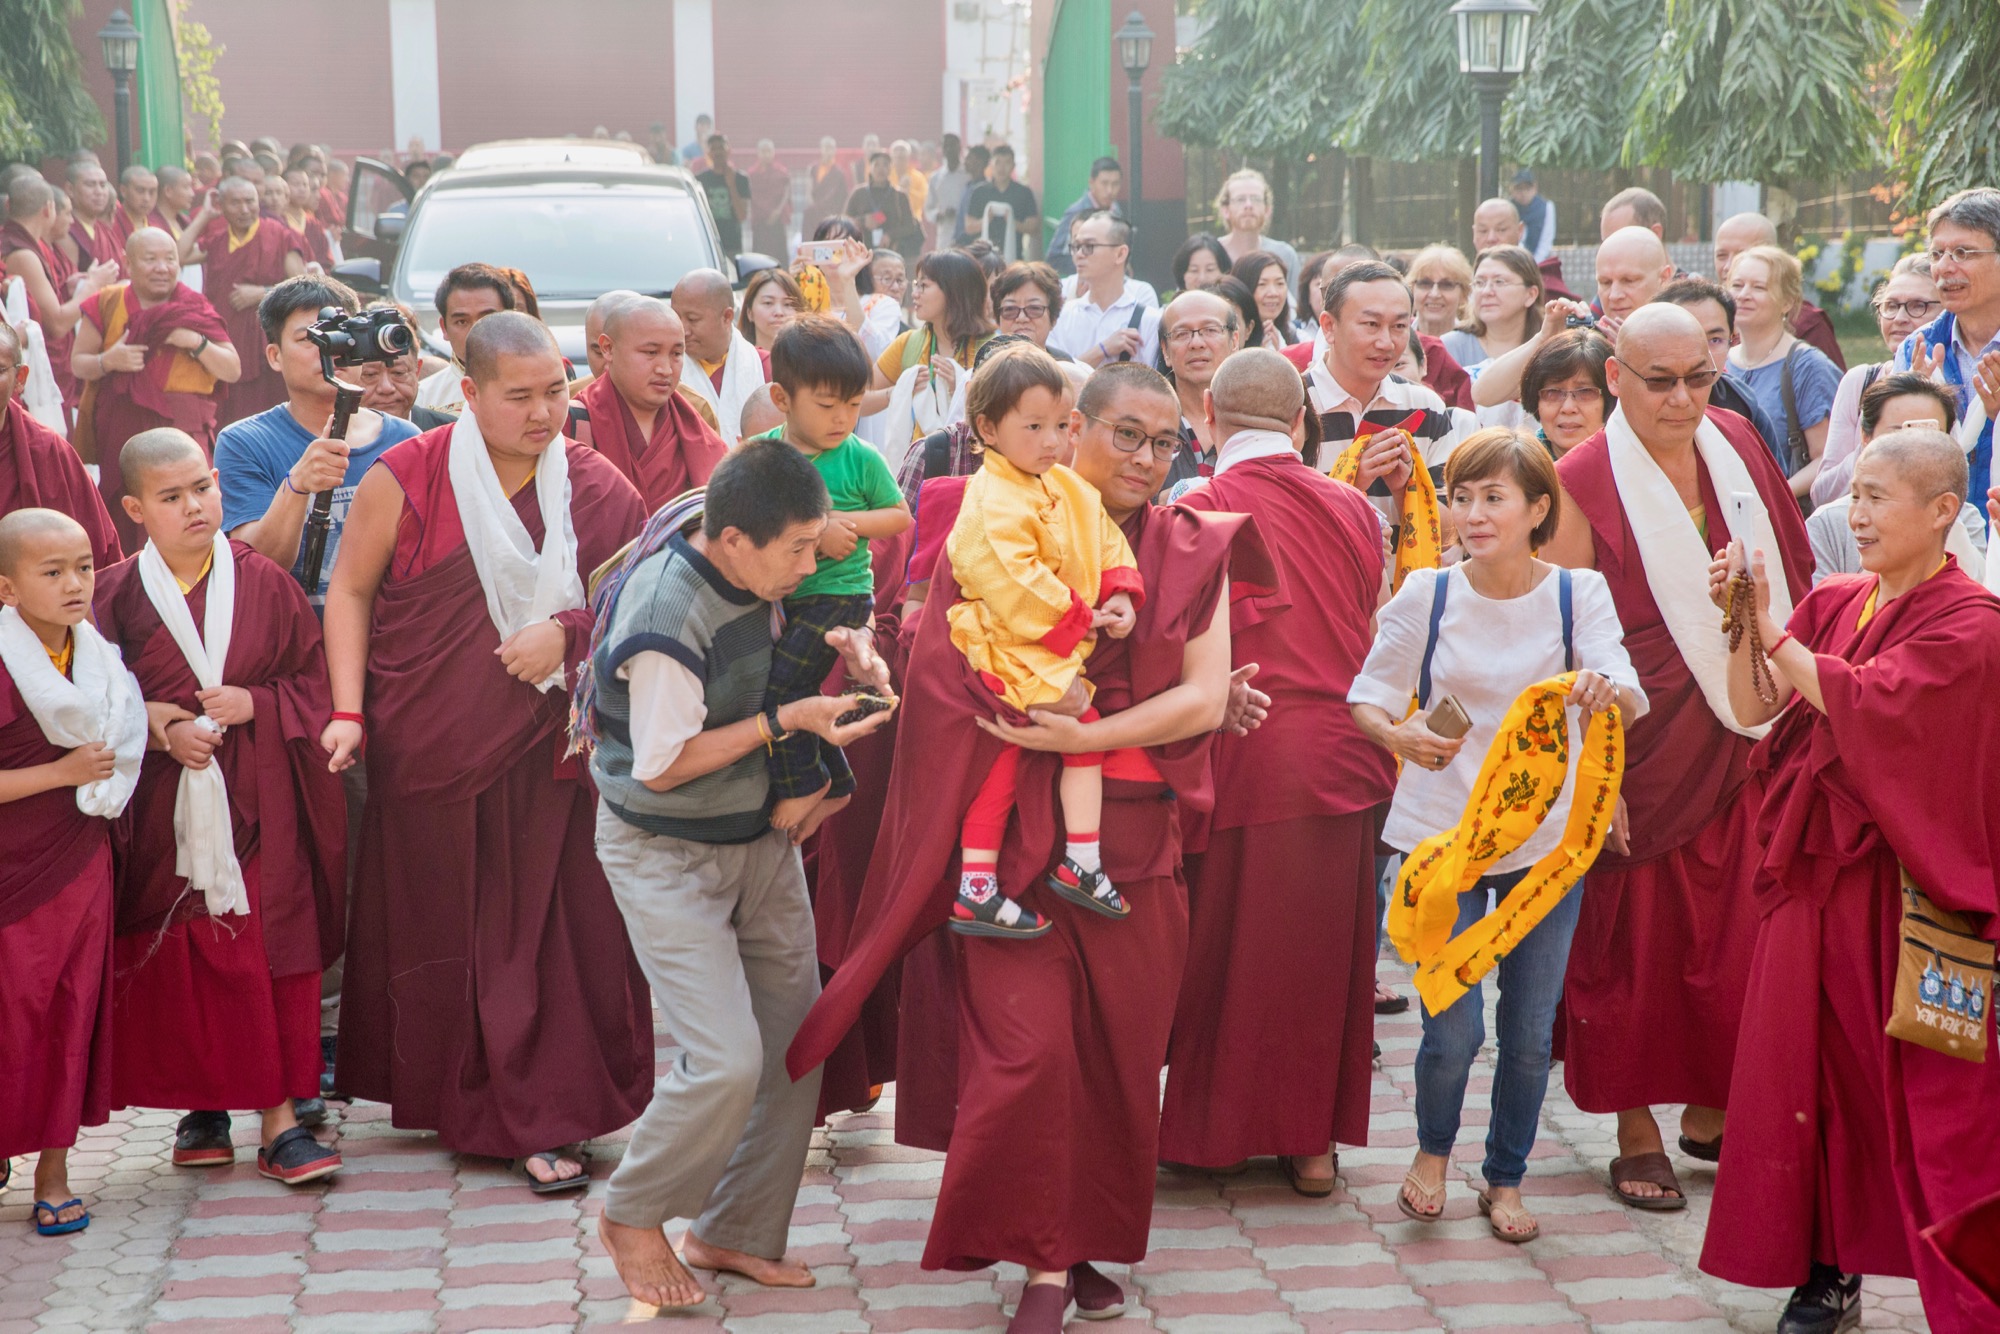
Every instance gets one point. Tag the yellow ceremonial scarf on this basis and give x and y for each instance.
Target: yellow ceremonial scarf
(1420, 539)
(236, 243)
(63, 657)
(1519, 781)
(206, 566)
(1868, 607)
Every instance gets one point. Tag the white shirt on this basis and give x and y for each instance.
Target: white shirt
(1487, 653)
(1084, 324)
(443, 390)
(1247, 445)
(1147, 296)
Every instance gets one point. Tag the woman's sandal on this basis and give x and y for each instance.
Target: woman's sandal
(1313, 1188)
(1501, 1216)
(1089, 890)
(1429, 1194)
(1655, 1169)
(552, 1157)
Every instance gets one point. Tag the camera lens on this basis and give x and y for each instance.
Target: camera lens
(395, 338)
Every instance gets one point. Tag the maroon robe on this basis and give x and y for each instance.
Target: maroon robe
(1065, 1033)
(1845, 1144)
(55, 936)
(1553, 286)
(1271, 1046)
(1661, 953)
(119, 405)
(259, 262)
(58, 270)
(226, 1014)
(122, 225)
(680, 453)
(38, 470)
(490, 990)
(99, 246)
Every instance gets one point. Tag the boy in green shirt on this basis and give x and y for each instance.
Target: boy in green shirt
(819, 373)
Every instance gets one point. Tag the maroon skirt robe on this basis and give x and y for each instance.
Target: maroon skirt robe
(225, 1013)
(1272, 1035)
(260, 262)
(1661, 956)
(39, 470)
(680, 453)
(1846, 1144)
(490, 991)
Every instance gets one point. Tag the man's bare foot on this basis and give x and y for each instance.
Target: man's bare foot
(647, 1265)
(1639, 1133)
(818, 816)
(790, 812)
(783, 1272)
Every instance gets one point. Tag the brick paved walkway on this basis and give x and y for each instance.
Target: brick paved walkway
(410, 1239)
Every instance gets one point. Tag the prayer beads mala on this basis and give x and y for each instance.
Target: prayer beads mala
(1741, 619)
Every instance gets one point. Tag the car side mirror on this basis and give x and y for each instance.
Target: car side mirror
(749, 264)
(364, 275)
(389, 227)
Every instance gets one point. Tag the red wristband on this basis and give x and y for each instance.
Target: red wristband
(1783, 639)
(354, 718)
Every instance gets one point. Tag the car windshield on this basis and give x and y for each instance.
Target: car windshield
(572, 246)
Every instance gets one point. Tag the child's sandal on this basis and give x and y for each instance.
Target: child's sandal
(1089, 890)
(991, 918)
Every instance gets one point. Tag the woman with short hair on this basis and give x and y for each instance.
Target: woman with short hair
(1564, 389)
(1440, 277)
(771, 300)
(1200, 261)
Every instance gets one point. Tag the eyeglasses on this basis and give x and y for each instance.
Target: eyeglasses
(1207, 333)
(1494, 284)
(1957, 254)
(1437, 284)
(1130, 440)
(1914, 309)
(1036, 311)
(1696, 381)
(1085, 249)
(1559, 398)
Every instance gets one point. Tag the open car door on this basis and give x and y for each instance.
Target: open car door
(378, 207)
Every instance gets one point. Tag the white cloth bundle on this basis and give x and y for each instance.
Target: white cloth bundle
(99, 701)
(204, 838)
(742, 376)
(42, 397)
(522, 586)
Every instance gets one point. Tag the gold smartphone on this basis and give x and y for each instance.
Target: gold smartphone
(1449, 719)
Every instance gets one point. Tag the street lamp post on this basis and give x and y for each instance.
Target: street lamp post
(1492, 50)
(121, 56)
(1135, 53)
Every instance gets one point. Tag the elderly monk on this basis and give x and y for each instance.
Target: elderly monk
(1272, 1036)
(150, 352)
(1846, 1143)
(242, 253)
(593, 326)
(234, 914)
(38, 469)
(1661, 955)
(1745, 230)
(634, 415)
(92, 238)
(28, 252)
(490, 994)
(722, 366)
(1050, 1120)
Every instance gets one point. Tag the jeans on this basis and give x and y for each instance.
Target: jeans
(1531, 982)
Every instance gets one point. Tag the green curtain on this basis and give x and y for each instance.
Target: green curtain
(1076, 110)
(158, 89)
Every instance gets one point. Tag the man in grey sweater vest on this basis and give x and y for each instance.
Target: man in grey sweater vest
(714, 898)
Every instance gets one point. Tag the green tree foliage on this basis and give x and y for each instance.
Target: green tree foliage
(1268, 77)
(197, 52)
(1945, 130)
(44, 108)
(1763, 90)
(1573, 106)
(1410, 103)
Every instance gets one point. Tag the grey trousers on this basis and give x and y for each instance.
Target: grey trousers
(724, 933)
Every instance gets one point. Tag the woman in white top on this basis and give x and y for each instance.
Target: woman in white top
(1507, 297)
(1501, 625)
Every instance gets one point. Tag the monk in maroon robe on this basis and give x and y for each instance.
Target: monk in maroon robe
(26, 252)
(91, 239)
(138, 204)
(1051, 1149)
(55, 875)
(490, 991)
(151, 352)
(38, 469)
(222, 1011)
(631, 412)
(1272, 1037)
(1845, 1143)
(1654, 991)
(242, 253)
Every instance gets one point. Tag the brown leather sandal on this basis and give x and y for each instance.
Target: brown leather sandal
(1313, 1188)
(1655, 1169)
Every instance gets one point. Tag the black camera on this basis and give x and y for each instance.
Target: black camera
(1580, 322)
(354, 340)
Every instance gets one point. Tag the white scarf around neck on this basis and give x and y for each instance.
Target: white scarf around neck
(742, 376)
(1675, 557)
(99, 701)
(522, 586)
(204, 838)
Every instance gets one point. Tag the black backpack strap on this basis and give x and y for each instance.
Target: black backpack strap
(1438, 588)
(1566, 595)
(1796, 449)
(937, 454)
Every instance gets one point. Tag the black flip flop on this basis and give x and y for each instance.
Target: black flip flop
(553, 1156)
(1706, 1152)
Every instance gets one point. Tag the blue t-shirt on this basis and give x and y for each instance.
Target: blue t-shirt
(1815, 380)
(255, 455)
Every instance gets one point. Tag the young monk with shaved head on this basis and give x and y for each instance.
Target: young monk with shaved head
(1846, 1139)
(632, 412)
(1661, 955)
(72, 731)
(489, 993)
(230, 895)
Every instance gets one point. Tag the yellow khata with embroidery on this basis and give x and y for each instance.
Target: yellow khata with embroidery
(1420, 539)
(1519, 782)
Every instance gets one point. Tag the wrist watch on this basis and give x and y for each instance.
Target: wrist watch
(779, 731)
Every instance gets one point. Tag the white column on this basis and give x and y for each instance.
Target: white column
(413, 72)
(694, 65)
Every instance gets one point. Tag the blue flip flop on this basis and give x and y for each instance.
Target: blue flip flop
(53, 1228)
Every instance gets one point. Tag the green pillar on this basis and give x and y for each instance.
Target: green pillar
(1076, 111)
(157, 91)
